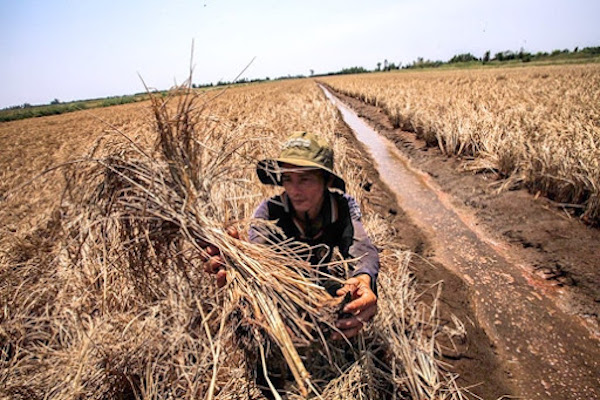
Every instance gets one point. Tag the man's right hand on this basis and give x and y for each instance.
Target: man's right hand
(213, 261)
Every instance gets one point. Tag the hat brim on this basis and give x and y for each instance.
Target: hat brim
(269, 171)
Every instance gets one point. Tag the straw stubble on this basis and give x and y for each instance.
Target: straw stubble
(108, 299)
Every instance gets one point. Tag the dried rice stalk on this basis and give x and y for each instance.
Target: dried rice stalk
(156, 212)
(108, 299)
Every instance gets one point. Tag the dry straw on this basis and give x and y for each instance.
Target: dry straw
(536, 127)
(108, 299)
(161, 208)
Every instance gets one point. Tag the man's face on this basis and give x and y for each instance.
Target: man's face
(305, 188)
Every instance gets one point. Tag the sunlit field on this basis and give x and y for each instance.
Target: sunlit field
(103, 292)
(536, 126)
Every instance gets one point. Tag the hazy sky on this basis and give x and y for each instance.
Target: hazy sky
(86, 49)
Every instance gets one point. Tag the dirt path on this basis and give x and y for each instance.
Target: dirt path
(529, 275)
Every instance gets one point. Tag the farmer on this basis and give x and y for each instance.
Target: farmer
(315, 209)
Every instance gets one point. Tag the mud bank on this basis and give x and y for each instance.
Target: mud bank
(558, 251)
(472, 357)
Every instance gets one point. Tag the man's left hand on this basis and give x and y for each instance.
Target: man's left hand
(362, 307)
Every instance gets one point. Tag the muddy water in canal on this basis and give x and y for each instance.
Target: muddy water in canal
(547, 351)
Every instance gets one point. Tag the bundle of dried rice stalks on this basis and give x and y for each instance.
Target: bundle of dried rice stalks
(109, 298)
(157, 213)
(398, 356)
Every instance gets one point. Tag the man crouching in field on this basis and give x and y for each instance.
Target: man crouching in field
(314, 209)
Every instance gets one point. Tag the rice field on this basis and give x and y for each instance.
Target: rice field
(101, 282)
(538, 127)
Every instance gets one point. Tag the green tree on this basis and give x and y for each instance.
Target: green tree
(465, 57)
(591, 50)
(486, 57)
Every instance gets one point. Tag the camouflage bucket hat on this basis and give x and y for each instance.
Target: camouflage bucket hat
(304, 150)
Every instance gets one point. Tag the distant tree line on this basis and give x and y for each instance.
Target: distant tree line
(503, 56)
(27, 110)
(225, 83)
(56, 107)
(466, 58)
(508, 55)
(420, 62)
(346, 71)
(387, 66)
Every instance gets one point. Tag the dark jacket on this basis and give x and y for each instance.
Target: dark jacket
(340, 227)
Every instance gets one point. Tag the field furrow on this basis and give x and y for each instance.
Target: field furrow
(538, 127)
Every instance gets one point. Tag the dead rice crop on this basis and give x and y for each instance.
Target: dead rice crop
(537, 127)
(103, 289)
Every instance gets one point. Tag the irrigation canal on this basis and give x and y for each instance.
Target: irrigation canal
(546, 350)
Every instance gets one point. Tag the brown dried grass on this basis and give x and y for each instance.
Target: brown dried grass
(536, 126)
(105, 296)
